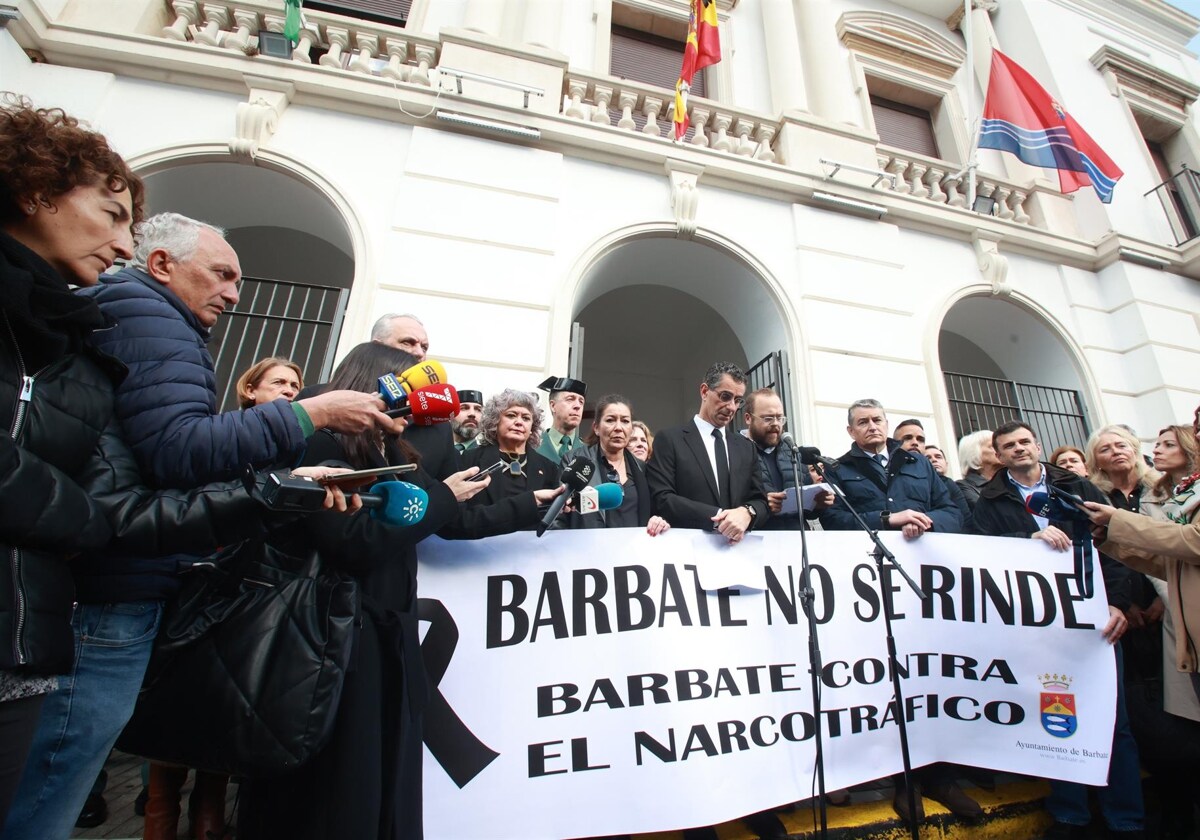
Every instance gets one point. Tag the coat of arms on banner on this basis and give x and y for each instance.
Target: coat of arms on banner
(1058, 706)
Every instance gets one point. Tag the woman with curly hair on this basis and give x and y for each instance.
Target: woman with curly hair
(511, 429)
(67, 207)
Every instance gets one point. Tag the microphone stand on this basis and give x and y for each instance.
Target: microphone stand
(807, 598)
(882, 553)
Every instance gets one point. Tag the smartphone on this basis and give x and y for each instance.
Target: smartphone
(360, 477)
(484, 473)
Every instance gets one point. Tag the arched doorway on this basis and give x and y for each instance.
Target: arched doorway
(297, 258)
(1001, 361)
(657, 311)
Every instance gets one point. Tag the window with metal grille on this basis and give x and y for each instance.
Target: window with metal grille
(904, 126)
(394, 12)
(652, 59)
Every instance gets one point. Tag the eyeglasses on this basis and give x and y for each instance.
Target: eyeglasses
(771, 419)
(729, 396)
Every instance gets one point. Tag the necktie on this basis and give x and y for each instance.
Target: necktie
(564, 448)
(722, 469)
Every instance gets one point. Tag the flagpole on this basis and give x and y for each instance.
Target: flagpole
(972, 158)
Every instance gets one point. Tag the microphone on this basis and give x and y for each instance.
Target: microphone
(396, 503)
(575, 476)
(1052, 506)
(1070, 498)
(812, 455)
(394, 386)
(1059, 505)
(427, 406)
(393, 502)
(605, 496)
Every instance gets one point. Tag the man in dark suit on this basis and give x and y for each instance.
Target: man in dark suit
(703, 477)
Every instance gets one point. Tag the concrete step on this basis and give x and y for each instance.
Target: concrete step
(1013, 811)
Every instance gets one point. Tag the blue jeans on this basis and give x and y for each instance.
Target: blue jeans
(81, 720)
(1121, 799)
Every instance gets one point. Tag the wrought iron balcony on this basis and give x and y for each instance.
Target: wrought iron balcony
(1180, 199)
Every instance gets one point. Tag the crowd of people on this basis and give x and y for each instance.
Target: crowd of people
(122, 473)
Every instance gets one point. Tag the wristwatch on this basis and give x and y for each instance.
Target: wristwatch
(750, 509)
(885, 517)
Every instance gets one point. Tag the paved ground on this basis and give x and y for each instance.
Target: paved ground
(124, 784)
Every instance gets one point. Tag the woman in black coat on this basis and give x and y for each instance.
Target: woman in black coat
(511, 429)
(608, 448)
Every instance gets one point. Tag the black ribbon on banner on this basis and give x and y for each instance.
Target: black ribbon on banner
(462, 755)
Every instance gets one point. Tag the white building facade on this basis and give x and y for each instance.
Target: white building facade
(497, 168)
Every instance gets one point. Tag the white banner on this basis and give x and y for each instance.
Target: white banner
(603, 682)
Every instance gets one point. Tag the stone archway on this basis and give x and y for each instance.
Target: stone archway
(297, 253)
(1001, 361)
(657, 311)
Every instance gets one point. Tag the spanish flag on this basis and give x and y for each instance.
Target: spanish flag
(703, 48)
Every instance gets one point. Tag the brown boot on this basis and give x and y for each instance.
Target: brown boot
(208, 806)
(162, 804)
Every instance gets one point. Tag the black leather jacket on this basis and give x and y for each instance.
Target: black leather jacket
(67, 482)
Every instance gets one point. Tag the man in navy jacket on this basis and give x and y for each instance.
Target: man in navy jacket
(893, 488)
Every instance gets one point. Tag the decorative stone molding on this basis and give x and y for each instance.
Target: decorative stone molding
(993, 266)
(685, 195)
(1145, 82)
(955, 20)
(258, 117)
(901, 41)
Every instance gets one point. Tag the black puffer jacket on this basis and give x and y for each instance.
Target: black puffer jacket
(1001, 512)
(67, 482)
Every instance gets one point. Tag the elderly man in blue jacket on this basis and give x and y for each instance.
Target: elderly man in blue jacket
(895, 489)
(185, 276)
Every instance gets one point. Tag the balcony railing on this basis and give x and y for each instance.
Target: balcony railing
(394, 55)
(636, 107)
(372, 49)
(940, 182)
(1180, 199)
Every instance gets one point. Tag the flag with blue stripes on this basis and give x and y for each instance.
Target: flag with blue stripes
(1021, 118)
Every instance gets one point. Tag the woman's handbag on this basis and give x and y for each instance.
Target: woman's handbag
(248, 667)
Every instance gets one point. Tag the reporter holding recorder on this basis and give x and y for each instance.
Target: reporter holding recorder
(366, 782)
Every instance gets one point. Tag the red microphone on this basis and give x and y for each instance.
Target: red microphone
(428, 406)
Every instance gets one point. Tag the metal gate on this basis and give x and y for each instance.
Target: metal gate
(298, 321)
(980, 402)
(770, 372)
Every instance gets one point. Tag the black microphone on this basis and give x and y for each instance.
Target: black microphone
(575, 476)
(812, 455)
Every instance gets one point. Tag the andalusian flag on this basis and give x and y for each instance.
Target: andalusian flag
(292, 22)
(703, 48)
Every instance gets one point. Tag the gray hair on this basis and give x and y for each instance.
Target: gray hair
(171, 232)
(970, 450)
(867, 403)
(718, 371)
(383, 326)
(489, 424)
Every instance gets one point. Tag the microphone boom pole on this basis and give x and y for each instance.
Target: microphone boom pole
(882, 553)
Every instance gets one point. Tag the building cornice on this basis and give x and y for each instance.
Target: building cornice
(234, 72)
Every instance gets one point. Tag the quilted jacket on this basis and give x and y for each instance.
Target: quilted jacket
(67, 482)
(167, 405)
